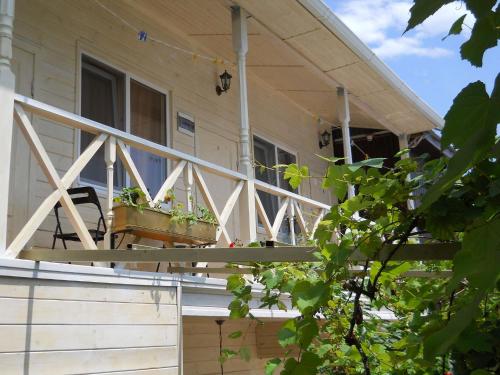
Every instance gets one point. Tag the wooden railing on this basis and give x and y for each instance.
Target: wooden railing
(117, 143)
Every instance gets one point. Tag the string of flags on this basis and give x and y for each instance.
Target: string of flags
(144, 37)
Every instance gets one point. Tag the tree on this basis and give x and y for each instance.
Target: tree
(443, 323)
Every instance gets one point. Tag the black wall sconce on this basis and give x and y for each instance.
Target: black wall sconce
(324, 139)
(225, 80)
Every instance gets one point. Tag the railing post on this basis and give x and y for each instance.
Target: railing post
(7, 89)
(248, 217)
(110, 158)
(345, 118)
(188, 185)
(291, 221)
(403, 144)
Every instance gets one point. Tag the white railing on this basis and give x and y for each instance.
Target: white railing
(116, 143)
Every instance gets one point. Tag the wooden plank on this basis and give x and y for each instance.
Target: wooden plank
(132, 170)
(170, 181)
(70, 119)
(38, 311)
(278, 220)
(249, 254)
(12, 287)
(88, 361)
(210, 202)
(46, 337)
(263, 216)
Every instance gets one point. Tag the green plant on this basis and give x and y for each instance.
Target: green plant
(132, 197)
(444, 323)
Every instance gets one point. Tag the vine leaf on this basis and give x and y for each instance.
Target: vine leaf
(484, 35)
(295, 174)
(308, 295)
(272, 365)
(480, 8)
(479, 264)
(456, 28)
(474, 109)
(423, 9)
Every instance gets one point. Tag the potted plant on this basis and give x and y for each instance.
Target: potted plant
(166, 221)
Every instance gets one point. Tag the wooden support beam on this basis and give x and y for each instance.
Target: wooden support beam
(415, 252)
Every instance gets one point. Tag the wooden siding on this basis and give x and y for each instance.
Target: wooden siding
(56, 32)
(201, 347)
(63, 326)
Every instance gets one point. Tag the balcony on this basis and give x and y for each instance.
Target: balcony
(302, 213)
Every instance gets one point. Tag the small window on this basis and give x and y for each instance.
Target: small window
(102, 100)
(185, 123)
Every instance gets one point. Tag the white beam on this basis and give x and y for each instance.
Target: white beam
(7, 88)
(345, 118)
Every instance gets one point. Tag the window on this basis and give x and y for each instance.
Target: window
(103, 100)
(266, 156)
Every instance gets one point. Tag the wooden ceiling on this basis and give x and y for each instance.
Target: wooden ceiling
(292, 52)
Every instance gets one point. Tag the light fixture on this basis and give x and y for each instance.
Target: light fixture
(324, 139)
(225, 80)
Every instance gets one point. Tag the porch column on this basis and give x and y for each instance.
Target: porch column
(345, 118)
(403, 144)
(7, 88)
(248, 220)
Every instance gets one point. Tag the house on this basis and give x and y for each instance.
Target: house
(116, 93)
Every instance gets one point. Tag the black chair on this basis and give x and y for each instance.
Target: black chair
(80, 195)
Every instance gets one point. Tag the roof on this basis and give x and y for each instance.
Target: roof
(302, 51)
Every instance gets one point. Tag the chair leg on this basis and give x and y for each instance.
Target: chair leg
(54, 242)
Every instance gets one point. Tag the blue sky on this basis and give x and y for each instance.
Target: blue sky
(429, 66)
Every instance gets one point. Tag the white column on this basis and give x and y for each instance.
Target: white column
(403, 144)
(110, 159)
(345, 118)
(7, 88)
(240, 45)
(248, 219)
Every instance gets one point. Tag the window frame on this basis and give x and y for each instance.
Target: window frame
(276, 145)
(128, 76)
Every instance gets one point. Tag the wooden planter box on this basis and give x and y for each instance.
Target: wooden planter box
(159, 225)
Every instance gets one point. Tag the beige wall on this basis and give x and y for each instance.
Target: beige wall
(96, 325)
(55, 32)
(201, 347)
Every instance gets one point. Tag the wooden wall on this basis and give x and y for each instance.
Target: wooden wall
(50, 35)
(62, 326)
(201, 347)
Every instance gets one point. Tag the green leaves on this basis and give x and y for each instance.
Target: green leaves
(272, 365)
(474, 109)
(423, 9)
(456, 28)
(484, 35)
(309, 295)
(295, 174)
(298, 332)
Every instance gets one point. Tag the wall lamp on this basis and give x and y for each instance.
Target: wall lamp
(324, 139)
(225, 83)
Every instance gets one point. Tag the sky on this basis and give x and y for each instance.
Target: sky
(432, 68)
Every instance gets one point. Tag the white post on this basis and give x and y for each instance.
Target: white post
(110, 158)
(240, 46)
(188, 185)
(248, 219)
(403, 144)
(291, 222)
(7, 88)
(345, 118)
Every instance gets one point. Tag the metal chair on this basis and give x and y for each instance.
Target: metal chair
(80, 195)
